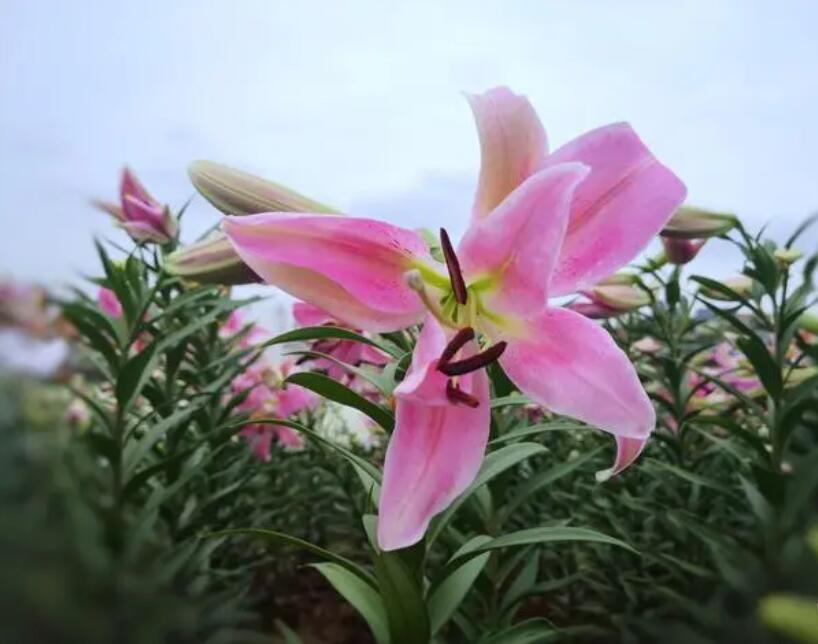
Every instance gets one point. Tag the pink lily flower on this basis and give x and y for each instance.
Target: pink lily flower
(346, 351)
(269, 397)
(543, 225)
(234, 324)
(109, 303)
(142, 217)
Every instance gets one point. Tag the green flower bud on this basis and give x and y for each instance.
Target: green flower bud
(237, 193)
(696, 223)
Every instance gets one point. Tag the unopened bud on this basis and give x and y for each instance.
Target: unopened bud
(809, 321)
(681, 251)
(210, 261)
(696, 223)
(238, 193)
(787, 256)
(620, 297)
(742, 285)
(619, 278)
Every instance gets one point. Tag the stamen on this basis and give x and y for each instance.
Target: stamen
(453, 265)
(457, 395)
(455, 344)
(475, 362)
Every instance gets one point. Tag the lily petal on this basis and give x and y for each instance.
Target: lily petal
(627, 451)
(353, 268)
(625, 201)
(436, 449)
(308, 315)
(572, 366)
(512, 145)
(519, 244)
(130, 186)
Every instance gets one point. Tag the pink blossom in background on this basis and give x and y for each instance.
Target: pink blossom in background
(139, 214)
(543, 225)
(235, 323)
(269, 397)
(109, 303)
(346, 351)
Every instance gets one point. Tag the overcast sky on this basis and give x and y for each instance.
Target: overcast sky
(359, 103)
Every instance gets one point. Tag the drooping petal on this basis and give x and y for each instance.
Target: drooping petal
(308, 315)
(353, 268)
(572, 366)
(622, 204)
(435, 450)
(512, 145)
(627, 451)
(517, 247)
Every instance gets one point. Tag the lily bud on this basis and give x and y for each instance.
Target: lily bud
(594, 310)
(681, 251)
(619, 297)
(619, 279)
(741, 284)
(809, 321)
(787, 256)
(238, 193)
(696, 223)
(139, 214)
(210, 261)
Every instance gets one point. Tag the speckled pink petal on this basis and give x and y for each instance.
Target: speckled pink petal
(519, 244)
(436, 449)
(623, 203)
(353, 268)
(512, 145)
(572, 366)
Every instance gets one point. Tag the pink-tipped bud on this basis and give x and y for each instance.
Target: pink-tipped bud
(139, 214)
(109, 303)
(681, 251)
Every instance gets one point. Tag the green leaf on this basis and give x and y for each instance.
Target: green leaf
(542, 479)
(532, 430)
(688, 476)
(763, 363)
(447, 593)
(305, 334)
(531, 631)
(361, 595)
(495, 463)
(340, 393)
(135, 451)
(544, 534)
(280, 537)
(134, 375)
(403, 599)
(361, 465)
(511, 399)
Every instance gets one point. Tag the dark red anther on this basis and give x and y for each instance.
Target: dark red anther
(457, 395)
(475, 362)
(455, 344)
(453, 265)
